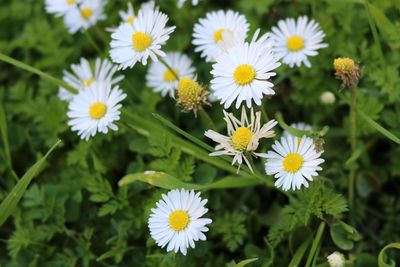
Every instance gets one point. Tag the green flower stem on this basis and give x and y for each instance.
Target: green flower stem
(353, 142)
(168, 67)
(205, 118)
(315, 244)
(93, 42)
(36, 71)
(291, 130)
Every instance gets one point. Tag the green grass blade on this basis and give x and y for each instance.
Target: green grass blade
(36, 71)
(378, 127)
(9, 204)
(298, 255)
(4, 136)
(166, 181)
(381, 257)
(245, 262)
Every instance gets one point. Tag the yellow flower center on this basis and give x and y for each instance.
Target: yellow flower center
(179, 220)
(70, 2)
(130, 19)
(218, 35)
(86, 12)
(292, 162)
(241, 138)
(97, 110)
(88, 82)
(141, 41)
(244, 74)
(344, 65)
(295, 43)
(169, 75)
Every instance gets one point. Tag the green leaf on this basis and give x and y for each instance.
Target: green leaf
(9, 204)
(344, 235)
(382, 256)
(166, 181)
(379, 128)
(245, 262)
(295, 262)
(4, 135)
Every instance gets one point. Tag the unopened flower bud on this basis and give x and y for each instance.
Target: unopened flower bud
(328, 98)
(336, 259)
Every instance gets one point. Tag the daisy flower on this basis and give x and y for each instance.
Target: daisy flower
(176, 221)
(85, 15)
(182, 2)
(95, 110)
(295, 41)
(143, 39)
(293, 164)
(299, 126)
(163, 80)
(243, 73)
(243, 136)
(129, 15)
(211, 32)
(83, 75)
(60, 7)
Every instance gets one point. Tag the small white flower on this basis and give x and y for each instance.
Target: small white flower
(95, 110)
(176, 221)
(218, 31)
(60, 7)
(243, 136)
(243, 73)
(328, 98)
(182, 2)
(143, 39)
(295, 41)
(85, 15)
(293, 162)
(129, 16)
(336, 259)
(83, 75)
(299, 126)
(163, 80)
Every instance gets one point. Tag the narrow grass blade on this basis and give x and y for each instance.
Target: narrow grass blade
(378, 127)
(298, 255)
(166, 181)
(382, 256)
(42, 74)
(9, 204)
(4, 136)
(245, 262)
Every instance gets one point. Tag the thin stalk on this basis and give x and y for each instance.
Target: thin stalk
(168, 67)
(205, 118)
(36, 71)
(315, 244)
(353, 142)
(93, 42)
(291, 130)
(375, 34)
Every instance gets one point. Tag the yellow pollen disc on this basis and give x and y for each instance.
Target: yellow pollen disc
(70, 2)
(190, 93)
(179, 220)
(344, 65)
(88, 82)
(218, 35)
(241, 138)
(130, 19)
(86, 12)
(97, 110)
(169, 75)
(295, 43)
(244, 74)
(141, 41)
(292, 162)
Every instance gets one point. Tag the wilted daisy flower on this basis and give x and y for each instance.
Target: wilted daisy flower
(347, 71)
(83, 75)
(190, 95)
(210, 32)
(129, 15)
(295, 41)
(143, 39)
(162, 79)
(176, 221)
(336, 259)
(85, 15)
(60, 7)
(293, 163)
(95, 110)
(182, 2)
(328, 98)
(299, 126)
(243, 73)
(243, 136)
